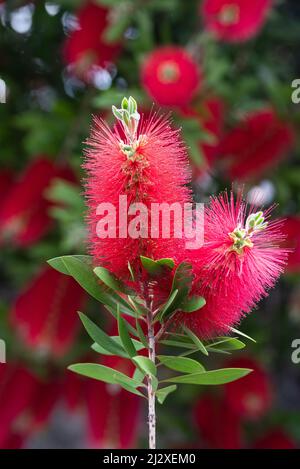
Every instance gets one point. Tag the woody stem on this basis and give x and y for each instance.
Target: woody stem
(151, 391)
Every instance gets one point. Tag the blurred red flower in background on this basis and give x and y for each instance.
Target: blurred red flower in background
(86, 46)
(291, 229)
(24, 217)
(6, 180)
(210, 115)
(170, 76)
(235, 20)
(250, 397)
(275, 438)
(45, 314)
(255, 144)
(217, 425)
(112, 413)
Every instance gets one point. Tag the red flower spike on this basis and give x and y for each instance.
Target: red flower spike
(156, 172)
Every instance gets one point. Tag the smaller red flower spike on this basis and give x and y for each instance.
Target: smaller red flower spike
(250, 397)
(170, 76)
(235, 20)
(240, 261)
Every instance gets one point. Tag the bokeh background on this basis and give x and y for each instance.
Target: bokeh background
(224, 68)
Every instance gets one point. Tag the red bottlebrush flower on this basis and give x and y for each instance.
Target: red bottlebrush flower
(235, 20)
(218, 427)
(250, 397)
(170, 76)
(275, 439)
(150, 169)
(86, 46)
(45, 314)
(17, 391)
(256, 144)
(114, 424)
(291, 229)
(239, 262)
(24, 215)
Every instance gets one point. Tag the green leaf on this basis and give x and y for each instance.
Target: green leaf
(152, 267)
(125, 338)
(131, 271)
(227, 343)
(236, 331)
(141, 334)
(193, 304)
(156, 267)
(163, 393)
(100, 337)
(145, 364)
(80, 268)
(215, 377)
(102, 373)
(139, 375)
(99, 349)
(111, 281)
(183, 364)
(129, 387)
(138, 307)
(169, 305)
(196, 340)
(182, 282)
(177, 343)
(58, 264)
(166, 262)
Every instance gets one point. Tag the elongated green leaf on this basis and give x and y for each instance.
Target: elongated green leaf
(152, 267)
(141, 334)
(125, 338)
(215, 377)
(112, 281)
(100, 337)
(177, 343)
(131, 272)
(139, 375)
(137, 306)
(169, 305)
(166, 262)
(192, 304)
(80, 269)
(182, 282)
(58, 264)
(163, 393)
(236, 331)
(156, 267)
(183, 364)
(102, 373)
(138, 346)
(145, 364)
(128, 387)
(227, 343)
(196, 340)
